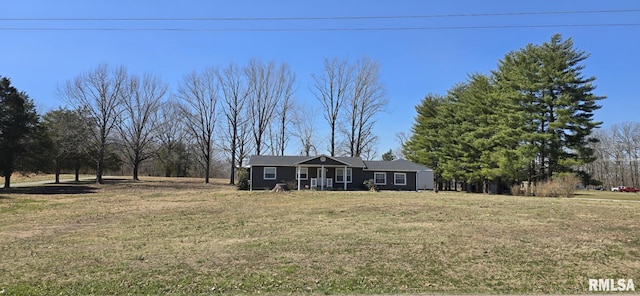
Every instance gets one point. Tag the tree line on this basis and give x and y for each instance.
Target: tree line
(529, 120)
(617, 156)
(220, 115)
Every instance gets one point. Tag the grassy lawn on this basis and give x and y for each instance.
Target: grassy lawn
(595, 194)
(178, 236)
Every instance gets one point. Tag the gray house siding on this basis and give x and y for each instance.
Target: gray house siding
(410, 186)
(288, 174)
(286, 166)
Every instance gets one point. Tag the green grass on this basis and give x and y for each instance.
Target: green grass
(164, 236)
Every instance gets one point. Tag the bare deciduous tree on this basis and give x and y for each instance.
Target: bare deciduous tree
(331, 89)
(366, 100)
(98, 92)
(267, 86)
(284, 114)
(234, 88)
(199, 99)
(139, 118)
(170, 133)
(304, 121)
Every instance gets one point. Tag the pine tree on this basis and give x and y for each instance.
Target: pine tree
(554, 103)
(20, 132)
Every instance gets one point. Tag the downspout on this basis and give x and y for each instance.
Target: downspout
(251, 178)
(417, 181)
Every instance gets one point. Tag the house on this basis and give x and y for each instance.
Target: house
(324, 172)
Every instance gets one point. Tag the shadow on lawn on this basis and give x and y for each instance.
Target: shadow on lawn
(51, 189)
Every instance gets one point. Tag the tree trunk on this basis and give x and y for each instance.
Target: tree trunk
(77, 171)
(232, 178)
(136, 166)
(7, 180)
(57, 172)
(206, 172)
(100, 167)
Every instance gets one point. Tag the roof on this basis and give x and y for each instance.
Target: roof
(371, 165)
(271, 160)
(394, 165)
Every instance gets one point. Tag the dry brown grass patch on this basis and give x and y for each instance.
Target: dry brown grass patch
(185, 237)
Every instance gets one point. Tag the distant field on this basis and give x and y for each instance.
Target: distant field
(608, 195)
(180, 236)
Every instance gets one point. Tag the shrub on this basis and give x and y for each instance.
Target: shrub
(516, 189)
(567, 184)
(242, 177)
(292, 185)
(563, 185)
(369, 185)
(547, 189)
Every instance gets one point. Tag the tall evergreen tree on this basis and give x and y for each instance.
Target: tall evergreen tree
(555, 104)
(20, 132)
(70, 136)
(425, 146)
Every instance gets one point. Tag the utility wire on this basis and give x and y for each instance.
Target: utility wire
(326, 29)
(330, 17)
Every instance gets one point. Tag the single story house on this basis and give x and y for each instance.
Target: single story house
(324, 172)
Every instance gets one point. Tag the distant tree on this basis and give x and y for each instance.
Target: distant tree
(199, 96)
(139, 118)
(268, 85)
(331, 89)
(70, 138)
(304, 121)
(284, 114)
(170, 134)
(401, 137)
(366, 100)
(388, 156)
(235, 93)
(99, 93)
(20, 132)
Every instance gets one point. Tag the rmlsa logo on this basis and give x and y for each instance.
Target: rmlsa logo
(611, 285)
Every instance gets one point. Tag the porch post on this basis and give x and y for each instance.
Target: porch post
(344, 178)
(322, 177)
(298, 174)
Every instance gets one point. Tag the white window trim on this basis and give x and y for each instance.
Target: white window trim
(375, 179)
(303, 171)
(405, 179)
(264, 173)
(349, 174)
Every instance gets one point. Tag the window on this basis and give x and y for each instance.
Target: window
(269, 174)
(380, 178)
(400, 178)
(304, 173)
(340, 175)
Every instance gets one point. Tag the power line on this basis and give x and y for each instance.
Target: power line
(326, 29)
(331, 17)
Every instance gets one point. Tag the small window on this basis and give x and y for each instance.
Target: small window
(304, 173)
(340, 175)
(269, 173)
(400, 178)
(380, 178)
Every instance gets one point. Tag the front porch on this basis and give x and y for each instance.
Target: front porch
(322, 177)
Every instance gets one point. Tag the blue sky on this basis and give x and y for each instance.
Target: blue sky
(413, 62)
